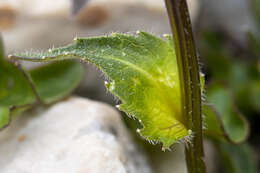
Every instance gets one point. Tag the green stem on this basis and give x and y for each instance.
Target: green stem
(189, 81)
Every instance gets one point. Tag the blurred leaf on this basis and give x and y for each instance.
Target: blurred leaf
(237, 158)
(14, 90)
(143, 75)
(255, 94)
(4, 115)
(213, 123)
(223, 119)
(243, 80)
(256, 9)
(233, 72)
(52, 82)
(239, 76)
(254, 43)
(239, 80)
(215, 56)
(56, 80)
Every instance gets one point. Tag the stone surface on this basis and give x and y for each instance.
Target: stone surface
(74, 136)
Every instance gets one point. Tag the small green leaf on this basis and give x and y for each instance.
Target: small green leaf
(142, 73)
(224, 120)
(14, 91)
(237, 158)
(255, 4)
(51, 82)
(214, 54)
(255, 94)
(254, 42)
(56, 80)
(4, 116)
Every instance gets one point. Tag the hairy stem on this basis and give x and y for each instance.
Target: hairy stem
(190, 81)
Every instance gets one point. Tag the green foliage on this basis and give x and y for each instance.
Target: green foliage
(240, 77)
(237, 158)
(20, 90)
(56, 80)
(254, 42)
(256, 9)
(255, 93)
(234, 88)
(142, 73)
(233, 125)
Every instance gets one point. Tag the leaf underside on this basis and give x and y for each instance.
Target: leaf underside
(142, 73)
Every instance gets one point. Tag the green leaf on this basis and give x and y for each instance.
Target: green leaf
(255, 4)
(56, 80)
(14, 91)
(224, 120)
(142, 73)
(20, 90)
(4, 115)
(236, 158)
(255, 94)
(254, 42)
(213, 51)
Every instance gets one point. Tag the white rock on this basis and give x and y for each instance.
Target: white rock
(42, 31)
(62, 7)
(38, 8)
(73, 136)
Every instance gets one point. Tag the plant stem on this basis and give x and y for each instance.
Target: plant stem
(189, 81)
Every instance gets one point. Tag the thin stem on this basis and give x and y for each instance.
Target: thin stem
(189, 81)
(30, 81)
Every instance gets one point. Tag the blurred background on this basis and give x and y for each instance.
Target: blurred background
(227, 34)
